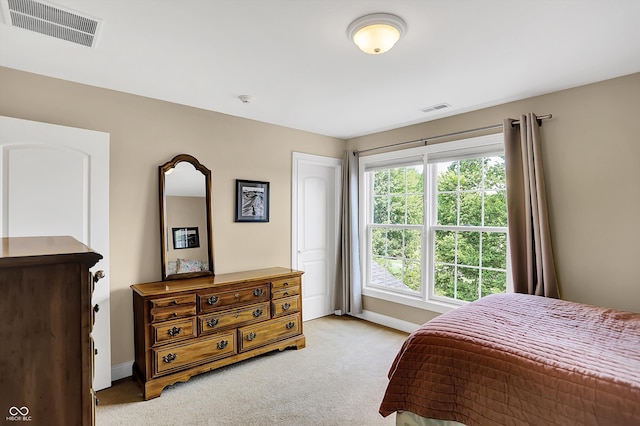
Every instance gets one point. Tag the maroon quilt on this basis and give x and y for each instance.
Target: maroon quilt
(514, 359)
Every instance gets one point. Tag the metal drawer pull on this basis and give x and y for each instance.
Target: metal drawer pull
(169, 358)
(175, 314)
(97, 277)
(257, 313)
(213, 322)
(174, 331)
(290, 325)
(251, 336)
(286, 306)
(258, 292)
(175, 302)
(285, 284)
(286, 293)
(222, 344)
(213, 300)
(237, 296)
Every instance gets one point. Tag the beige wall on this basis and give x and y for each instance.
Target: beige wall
(591, 155)
(146, 133)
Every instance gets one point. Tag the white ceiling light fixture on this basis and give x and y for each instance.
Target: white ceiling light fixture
(377, 33)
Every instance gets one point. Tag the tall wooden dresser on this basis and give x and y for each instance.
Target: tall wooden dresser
(190, 326)
(46, 349)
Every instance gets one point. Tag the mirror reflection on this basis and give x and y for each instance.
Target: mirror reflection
(185, 218)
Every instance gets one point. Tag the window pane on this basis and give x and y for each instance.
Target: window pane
(397, 212)
(444, 285)
(469, 248)
(447, 209)
(493, 282)
(494, 250)
(495, 208)
(381, 210)
(495, 177)
(397, 181)
(378, 242)
(377, 272)
(468, 280)
(381, 182)
(471, 174)
(412, 275)
(413, 244)
(447, 176)
(445, 247)
(394, 243)
(415, 180)
(471, 208)
(415, 209)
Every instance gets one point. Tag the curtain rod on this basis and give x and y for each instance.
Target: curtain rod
(462, 132)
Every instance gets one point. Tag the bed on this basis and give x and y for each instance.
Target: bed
(514, 359)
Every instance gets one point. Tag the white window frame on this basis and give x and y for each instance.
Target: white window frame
(471, 147)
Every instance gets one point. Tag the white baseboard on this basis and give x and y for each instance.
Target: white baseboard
(121, 371)
(388, 321)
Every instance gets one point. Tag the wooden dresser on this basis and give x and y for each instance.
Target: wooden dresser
(46, 354)
(187, 327)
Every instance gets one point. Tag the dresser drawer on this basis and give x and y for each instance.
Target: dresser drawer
(173, 331)
(187, 299)
(261, 334)
(285, 306)
(285, 292)
(169, 308)
(172, 312)
(285, 283)
(212, 323)
(171, 358)
(226, 299)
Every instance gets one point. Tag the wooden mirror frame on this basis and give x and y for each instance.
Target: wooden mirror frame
(165, 233)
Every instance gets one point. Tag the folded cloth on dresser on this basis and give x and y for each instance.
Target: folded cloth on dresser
(514, 359)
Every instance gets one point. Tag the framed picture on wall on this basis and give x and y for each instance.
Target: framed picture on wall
(252, 201)
(184, 238)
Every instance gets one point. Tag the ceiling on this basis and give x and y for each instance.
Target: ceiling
(294, 59)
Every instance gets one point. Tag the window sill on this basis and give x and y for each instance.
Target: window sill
(433, 306)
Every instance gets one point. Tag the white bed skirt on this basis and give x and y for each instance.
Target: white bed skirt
(406, 418)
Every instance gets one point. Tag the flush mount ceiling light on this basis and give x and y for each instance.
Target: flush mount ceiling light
(377, 33)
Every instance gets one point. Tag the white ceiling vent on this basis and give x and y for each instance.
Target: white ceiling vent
(435, 107)
(52, 20)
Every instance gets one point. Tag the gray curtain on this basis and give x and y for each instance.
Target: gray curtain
(349, 291)
(532, 264)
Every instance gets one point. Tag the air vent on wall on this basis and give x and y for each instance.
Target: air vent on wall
(52, 20)
(435, 107)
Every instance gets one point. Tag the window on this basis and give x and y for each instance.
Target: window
(434, 222)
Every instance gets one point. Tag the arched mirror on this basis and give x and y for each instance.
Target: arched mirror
(185, 218)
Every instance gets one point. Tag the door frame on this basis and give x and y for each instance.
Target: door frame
(299, 160)
(90, 143)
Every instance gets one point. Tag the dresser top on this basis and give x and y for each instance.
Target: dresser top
(188, 284)
(28, 249)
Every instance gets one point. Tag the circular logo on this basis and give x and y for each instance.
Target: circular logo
(14, 411)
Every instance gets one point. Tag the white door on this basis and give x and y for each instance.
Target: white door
(315, 217)
(55, 181)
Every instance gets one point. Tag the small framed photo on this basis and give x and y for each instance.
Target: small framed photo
(252, 201)
(184, 238)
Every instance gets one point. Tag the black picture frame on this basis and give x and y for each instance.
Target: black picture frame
(184, 238)
(252, 201)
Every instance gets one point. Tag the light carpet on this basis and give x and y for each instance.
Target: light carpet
(338, 379)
